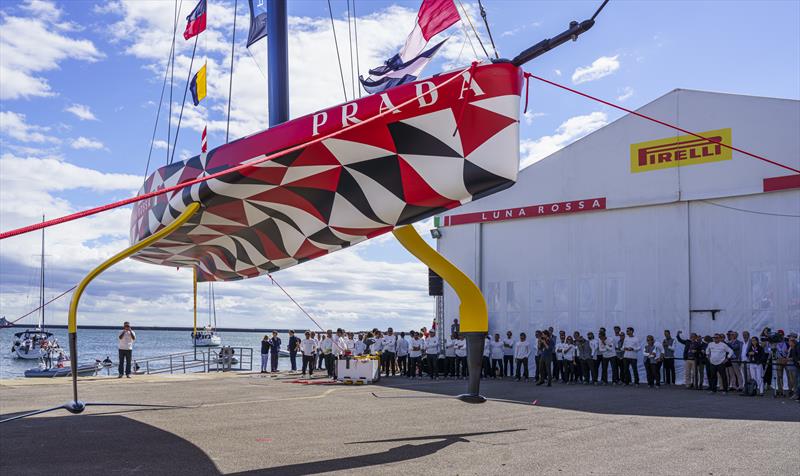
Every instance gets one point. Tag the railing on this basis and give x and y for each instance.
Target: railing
(172, 363)
(241, 358)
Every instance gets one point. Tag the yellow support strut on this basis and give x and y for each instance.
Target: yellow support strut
(76, 297)
(472, 308)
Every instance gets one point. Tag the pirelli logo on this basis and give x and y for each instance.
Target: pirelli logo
(680, 151)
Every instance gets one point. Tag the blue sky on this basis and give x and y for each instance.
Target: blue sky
(80, 83)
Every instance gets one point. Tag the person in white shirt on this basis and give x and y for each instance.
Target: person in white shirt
(308, 348)
(486, 362)
(126, 340)
(608, 354)
(320, 354)
(389, 352)
(327, 351)
(631, 346)
(450, 357)
(718, 353)
(402, 354)
(653, 355)
(569, 351)
(432, 354)
(508, 355)
(337, 350)
(359, 346)
(593, 363)
(558, 361)
(415, 348)
(377, 343)
(349, 344)
(460, 346)
(522, 350)
(497, 356)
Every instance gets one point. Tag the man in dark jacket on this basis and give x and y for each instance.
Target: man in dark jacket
(265, 345)
(274, 351)
(294, 345)
(689, 358)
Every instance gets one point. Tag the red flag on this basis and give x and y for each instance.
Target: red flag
(435, 16)
(196, 21)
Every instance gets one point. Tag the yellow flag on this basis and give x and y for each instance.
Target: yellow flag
(198, 86)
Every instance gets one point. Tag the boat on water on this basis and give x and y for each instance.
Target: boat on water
(55, 362)
(32, 344)
(207, 338)
(5, 323)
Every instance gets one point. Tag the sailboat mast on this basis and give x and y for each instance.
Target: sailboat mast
(41, 285)
(278, 62)
(214, 305)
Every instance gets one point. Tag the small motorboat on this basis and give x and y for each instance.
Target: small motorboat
(56, 363)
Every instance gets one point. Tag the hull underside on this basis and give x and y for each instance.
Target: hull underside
(399, 169)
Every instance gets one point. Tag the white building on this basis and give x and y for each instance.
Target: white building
(637, 224)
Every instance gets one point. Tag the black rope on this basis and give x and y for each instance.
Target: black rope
(477, 36)
(42, 306)
(155, 126)
(489, 30)
(338, 58)
(172, 76)
(599, 9)
(355, 31)
(230, 84)
(183, 103)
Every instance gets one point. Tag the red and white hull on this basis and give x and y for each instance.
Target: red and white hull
(401, 168)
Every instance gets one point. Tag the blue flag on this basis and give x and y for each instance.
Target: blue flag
(258, 21)
(395, 72)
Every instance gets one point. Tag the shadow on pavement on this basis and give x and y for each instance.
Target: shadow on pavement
(392, 455)
(675, 401)
(90, 444)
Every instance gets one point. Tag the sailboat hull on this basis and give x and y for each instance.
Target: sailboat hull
(447, 147)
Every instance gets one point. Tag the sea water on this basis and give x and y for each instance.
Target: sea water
(99, 343)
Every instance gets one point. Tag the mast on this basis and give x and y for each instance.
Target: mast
(41, 285)
(213, 305)
(278, 62)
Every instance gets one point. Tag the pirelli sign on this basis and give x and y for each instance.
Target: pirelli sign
(681, 150)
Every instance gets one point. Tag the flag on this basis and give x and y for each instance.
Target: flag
(434, 17)
(196, 21)
(395, 72)
(198, 85)
(258, 21)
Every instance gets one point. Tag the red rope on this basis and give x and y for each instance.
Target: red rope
(629, 111)
(248, 165)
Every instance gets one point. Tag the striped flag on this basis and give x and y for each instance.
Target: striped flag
(434, 17)
(204, 144)
(196, 21)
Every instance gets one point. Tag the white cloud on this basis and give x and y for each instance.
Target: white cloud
(86, 143)
(14, 125)
(530, 116)
(625, 94)
(569, 131)
(35, 44)
(160, 144)
(600, 68)
(557, 71)
(82, 112)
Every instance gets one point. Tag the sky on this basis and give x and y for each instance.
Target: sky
(80, 86)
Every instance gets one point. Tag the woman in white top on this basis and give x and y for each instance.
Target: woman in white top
(486, 362)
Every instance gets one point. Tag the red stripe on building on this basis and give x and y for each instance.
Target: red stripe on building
(781, 183)
(533, 211)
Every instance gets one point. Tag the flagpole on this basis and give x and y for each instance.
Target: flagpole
(278, 62)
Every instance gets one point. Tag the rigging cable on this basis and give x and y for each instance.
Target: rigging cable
(155, 126)
(172, 76)
(242, 166)
(185, 90)
(350, 43)
(45, 304)
(755, 212)
(652, 119)
(230, 83)
(473, 29)
(338, 58)
(355, 30)
(488, 30)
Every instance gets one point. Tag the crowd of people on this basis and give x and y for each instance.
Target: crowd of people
(719, 363)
